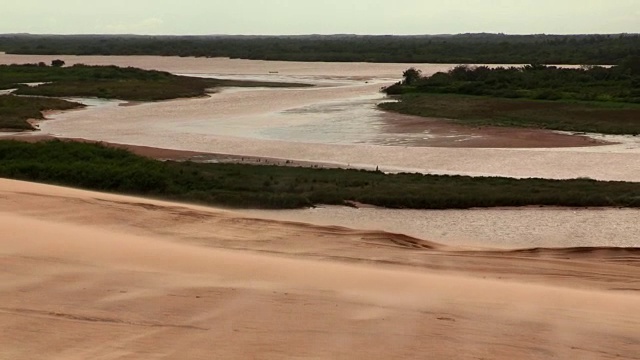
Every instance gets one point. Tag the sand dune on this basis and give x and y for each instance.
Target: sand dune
(90, 275)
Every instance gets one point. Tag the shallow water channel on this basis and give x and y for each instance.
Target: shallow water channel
(337, 122)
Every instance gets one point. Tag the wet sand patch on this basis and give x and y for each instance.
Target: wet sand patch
(420, 131)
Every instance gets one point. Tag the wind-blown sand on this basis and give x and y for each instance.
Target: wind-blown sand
(90, 275)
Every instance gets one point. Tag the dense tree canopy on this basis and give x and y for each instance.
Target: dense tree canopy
(456, 49)
(590, 83)
(411, 76)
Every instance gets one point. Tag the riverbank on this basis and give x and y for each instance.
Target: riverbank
(17, 113)
(35, 88)
(479, 111)
(101, 168)
(317, 125)
(101, 275)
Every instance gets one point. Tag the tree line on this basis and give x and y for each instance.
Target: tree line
(455, 49)
(619, 83)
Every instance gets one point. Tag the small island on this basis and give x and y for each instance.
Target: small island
(591, 99)
(37, 87)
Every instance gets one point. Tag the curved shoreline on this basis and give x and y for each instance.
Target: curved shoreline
(97, 275)
(541, 163)
(212, 126)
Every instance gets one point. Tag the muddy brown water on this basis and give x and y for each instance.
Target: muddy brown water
(337, 122)
(484, 228)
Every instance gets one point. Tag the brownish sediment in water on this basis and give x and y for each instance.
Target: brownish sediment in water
(94, 275)
(335, 123)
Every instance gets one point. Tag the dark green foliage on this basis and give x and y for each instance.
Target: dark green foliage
(83, 165)
(96, 167)
(588, 83)
(587, 99)
(595, 117)
(452, 49)
(57, 63)
(111, 82)
(16, 110)
(411, 76)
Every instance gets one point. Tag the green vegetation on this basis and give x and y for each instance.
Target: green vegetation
(605, 118)
(589, 83)
(16, 110)
(109, 82)
(452, 49)
(96, 167)
(586, 99)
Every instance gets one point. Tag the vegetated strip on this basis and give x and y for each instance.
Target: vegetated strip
(96, 167)
(605, 118)
(587, 99)
(112, 82)
(450, 49)
(15, 111)
(108, 82)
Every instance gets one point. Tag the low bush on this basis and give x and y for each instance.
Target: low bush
(96, 167)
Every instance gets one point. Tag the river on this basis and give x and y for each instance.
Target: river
(337, 122)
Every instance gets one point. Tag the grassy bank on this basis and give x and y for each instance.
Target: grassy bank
(108, 82)
(112, 82)
(586, 99)
(99, 168)
(16, 110)
(595, 117)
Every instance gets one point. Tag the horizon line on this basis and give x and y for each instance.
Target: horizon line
(318, 34)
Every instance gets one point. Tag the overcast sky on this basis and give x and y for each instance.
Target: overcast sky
(281, 17)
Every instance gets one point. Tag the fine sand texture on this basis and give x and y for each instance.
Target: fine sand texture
(86, 275)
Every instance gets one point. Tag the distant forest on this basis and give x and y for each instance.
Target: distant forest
(455, 49)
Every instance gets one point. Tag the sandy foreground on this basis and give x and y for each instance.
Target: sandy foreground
(90, 275)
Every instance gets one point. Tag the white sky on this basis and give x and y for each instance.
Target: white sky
(280, 17)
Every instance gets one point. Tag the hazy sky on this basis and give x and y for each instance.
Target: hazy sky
(319, 16)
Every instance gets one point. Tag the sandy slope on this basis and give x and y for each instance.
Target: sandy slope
(88, 275)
